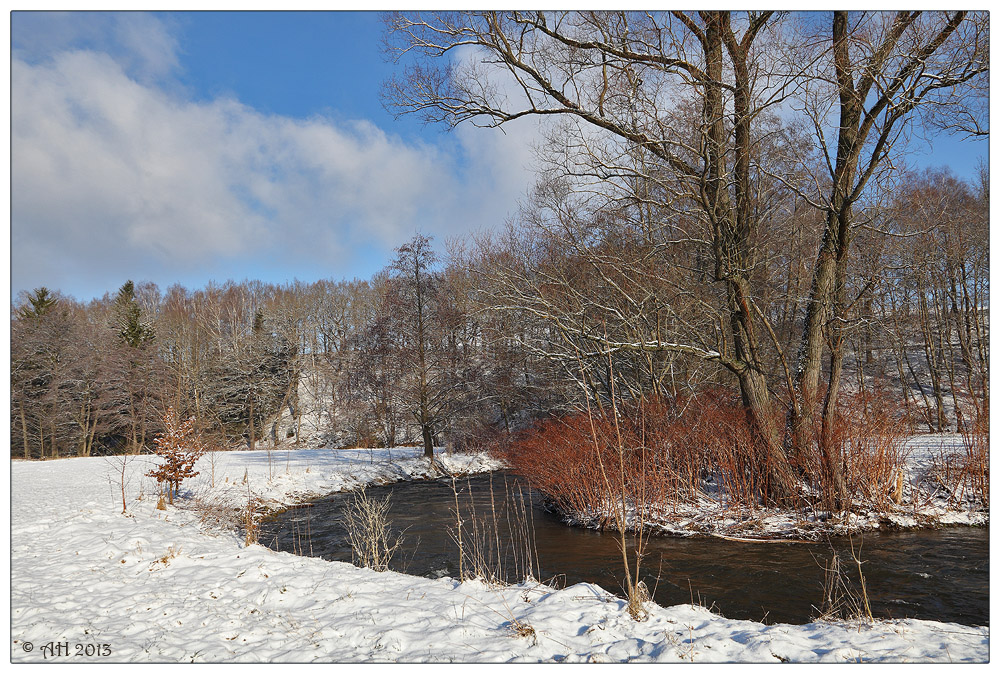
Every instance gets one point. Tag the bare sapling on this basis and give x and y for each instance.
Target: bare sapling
(179, 447)
(636, 591)
(367, 522)
(119, 466)
(458, 530)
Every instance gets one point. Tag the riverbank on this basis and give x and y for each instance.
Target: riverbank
(925, 503)
(169, 586)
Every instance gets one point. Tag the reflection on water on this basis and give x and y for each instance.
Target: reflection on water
(935, 575)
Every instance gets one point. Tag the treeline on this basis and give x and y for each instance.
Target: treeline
(401, 358)
(508, 329)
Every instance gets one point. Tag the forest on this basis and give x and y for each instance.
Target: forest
(724, 260)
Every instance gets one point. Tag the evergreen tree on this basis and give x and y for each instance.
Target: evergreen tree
(40, 301)
(128, 317)
(141, 368)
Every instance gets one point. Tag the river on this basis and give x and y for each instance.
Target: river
(929, 574)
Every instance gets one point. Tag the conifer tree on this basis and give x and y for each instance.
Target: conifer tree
(40, 301)
(131, 328)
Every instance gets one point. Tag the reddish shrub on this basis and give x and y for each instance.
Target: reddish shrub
(966, 474)
(869, 437)
(976, 441)
(657, 452)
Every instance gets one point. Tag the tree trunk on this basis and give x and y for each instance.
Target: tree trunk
(252, 438)
(826, 299)
(428, 442)
(732, 232)
(757, 403)
(24, 433)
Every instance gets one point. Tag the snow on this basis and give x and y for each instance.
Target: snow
(176, 585)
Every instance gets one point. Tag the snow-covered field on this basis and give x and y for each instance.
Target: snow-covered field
(91, 584)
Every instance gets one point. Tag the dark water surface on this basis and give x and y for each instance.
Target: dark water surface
(935, 575)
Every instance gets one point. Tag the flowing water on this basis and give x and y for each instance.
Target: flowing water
(929, 574)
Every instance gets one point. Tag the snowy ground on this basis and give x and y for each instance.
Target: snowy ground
(91, 584)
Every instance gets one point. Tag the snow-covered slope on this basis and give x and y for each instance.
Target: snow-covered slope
(163, 586)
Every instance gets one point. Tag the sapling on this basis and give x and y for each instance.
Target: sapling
(180, 448)
(119, 464)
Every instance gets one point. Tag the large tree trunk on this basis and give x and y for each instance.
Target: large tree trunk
(826, 299)
(428, 442)
(757, 402)
(756, 397)
(732, 225)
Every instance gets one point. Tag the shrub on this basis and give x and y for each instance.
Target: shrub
(966, 473)
(869, 435)
(367, 522)
(668, 449)
(976, 442)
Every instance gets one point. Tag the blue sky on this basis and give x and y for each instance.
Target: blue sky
(294, 63)
(189, 147)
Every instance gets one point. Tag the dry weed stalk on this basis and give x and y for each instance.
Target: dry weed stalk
(841, 600)
(367, 525)
(251, 520)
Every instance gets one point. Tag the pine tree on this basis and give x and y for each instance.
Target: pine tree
(180, 448)
(128, 317)
(39, 303)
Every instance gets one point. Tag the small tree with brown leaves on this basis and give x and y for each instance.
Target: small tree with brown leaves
(180, 447)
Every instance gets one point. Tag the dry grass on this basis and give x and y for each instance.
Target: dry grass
(251, 519)
(843, 599)
(214, 512)
(500, 546)
(367, 523)
(965, 474)
(523, 629)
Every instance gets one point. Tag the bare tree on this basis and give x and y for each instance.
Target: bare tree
(616, 73)
(686, 97)
(429, 387)
(882, 70)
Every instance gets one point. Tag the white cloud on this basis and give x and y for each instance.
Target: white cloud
(142, 43)
(114, 176)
